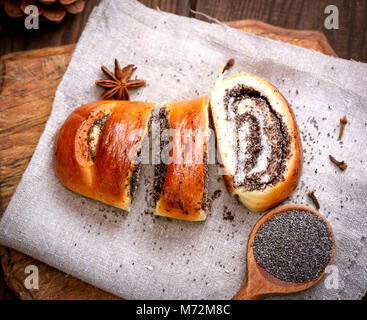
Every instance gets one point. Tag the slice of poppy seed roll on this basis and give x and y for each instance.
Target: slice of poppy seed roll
(97, 148)
(180, 180)
(258, 140)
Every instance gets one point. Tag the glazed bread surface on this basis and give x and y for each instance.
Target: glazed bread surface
(96, 148)
(258, 140)
(182, 195)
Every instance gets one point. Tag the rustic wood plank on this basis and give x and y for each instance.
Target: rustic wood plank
(349, 41)
(5, 292)
(24, 114)
(181, 7)
(14, 36)
(53, 284)
(30, 81)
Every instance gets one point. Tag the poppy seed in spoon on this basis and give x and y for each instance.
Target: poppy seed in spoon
(294, 246)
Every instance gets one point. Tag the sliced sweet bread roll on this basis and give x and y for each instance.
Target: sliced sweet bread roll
(180, 179)
(97, 147)
(258, 140)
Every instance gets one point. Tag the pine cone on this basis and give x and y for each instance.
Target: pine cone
(52, 10)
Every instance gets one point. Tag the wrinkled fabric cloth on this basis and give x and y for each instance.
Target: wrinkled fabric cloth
(137, 255)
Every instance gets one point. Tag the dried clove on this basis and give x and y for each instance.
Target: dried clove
(228, 65)
(342, 165)
(343, 122)
(312, 196)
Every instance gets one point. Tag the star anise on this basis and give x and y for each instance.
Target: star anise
(120, 82)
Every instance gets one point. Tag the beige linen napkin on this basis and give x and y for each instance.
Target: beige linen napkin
(137, 255)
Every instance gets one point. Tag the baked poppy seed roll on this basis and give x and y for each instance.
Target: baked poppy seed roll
(97, 147)
(180, 184)
(258, 140)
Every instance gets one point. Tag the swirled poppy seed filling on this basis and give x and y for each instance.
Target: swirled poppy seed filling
(94, 133)
(160, 169)
(262, 145)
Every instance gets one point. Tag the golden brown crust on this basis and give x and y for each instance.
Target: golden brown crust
(184, 186)
(107, 176)
(262, 200)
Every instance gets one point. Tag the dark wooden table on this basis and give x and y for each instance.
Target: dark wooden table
(349, 41)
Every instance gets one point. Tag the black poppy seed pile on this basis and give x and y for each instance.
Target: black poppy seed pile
(294, 246)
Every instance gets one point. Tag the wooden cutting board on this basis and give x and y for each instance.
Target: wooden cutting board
(28, 82)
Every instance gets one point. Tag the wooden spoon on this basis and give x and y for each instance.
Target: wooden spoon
(259, 282)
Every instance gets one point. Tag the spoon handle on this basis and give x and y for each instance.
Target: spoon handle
(245, 293)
